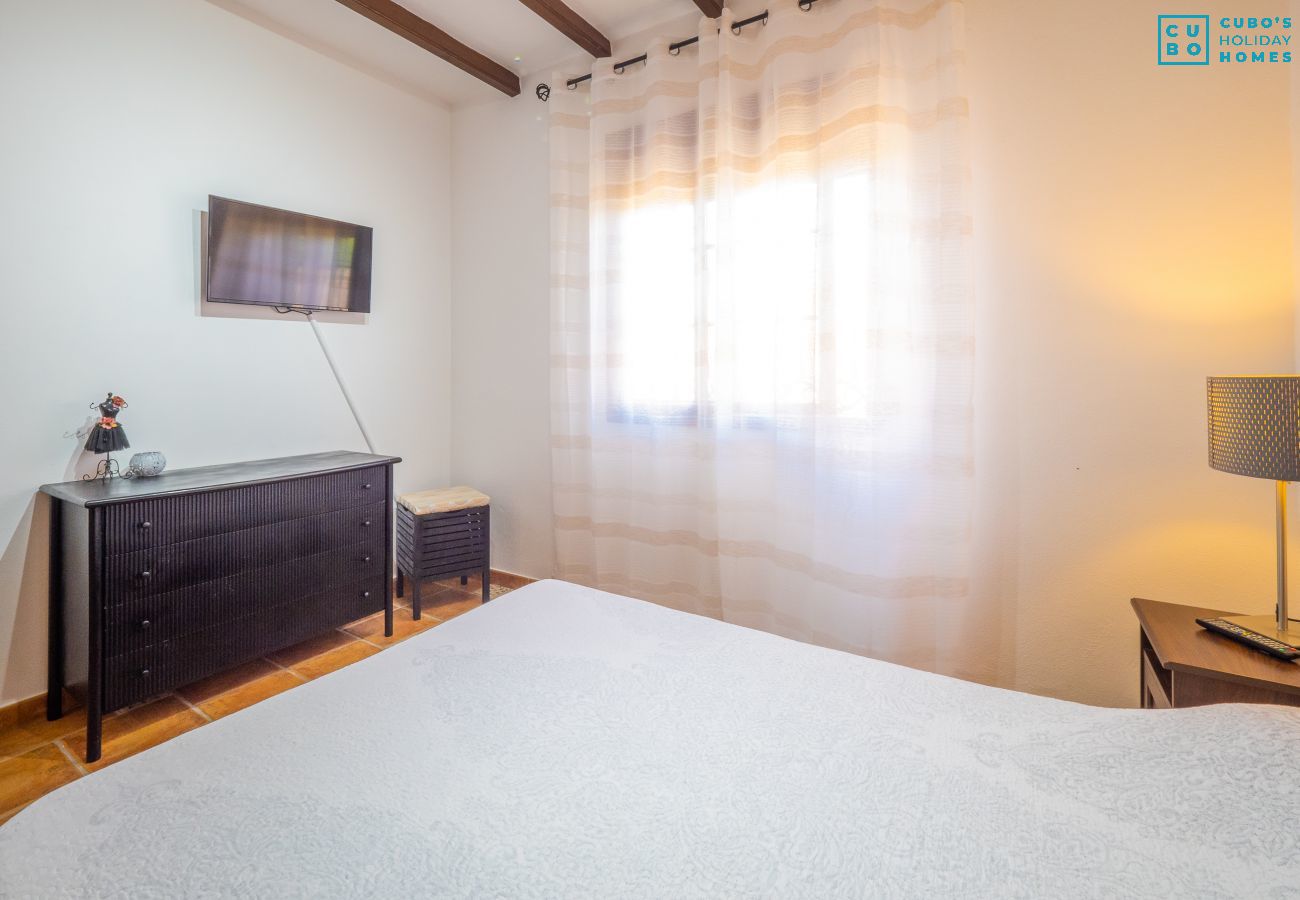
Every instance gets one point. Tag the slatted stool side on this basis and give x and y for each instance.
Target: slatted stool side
(442, 545)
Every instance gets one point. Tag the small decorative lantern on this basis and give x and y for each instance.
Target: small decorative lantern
(146, 464)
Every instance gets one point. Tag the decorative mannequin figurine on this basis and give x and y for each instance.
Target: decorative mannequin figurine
(107, 436)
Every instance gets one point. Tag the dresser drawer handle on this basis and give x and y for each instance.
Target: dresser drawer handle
(146, 574)
(365, 559)
(366, 486)
(146, 525)
(365, 594)
(144, 624)
(365, 523)
(144, 673)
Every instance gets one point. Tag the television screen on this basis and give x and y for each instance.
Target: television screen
(271, 257)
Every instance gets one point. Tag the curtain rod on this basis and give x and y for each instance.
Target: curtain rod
(805, 5)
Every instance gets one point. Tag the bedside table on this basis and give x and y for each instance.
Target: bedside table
(1182, 664)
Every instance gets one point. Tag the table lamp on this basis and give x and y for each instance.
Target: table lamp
(1254, 425)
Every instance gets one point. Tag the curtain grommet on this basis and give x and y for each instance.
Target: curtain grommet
(761, 17)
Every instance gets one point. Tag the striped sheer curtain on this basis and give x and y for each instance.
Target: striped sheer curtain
(762, 327)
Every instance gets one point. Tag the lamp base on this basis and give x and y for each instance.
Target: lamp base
(1267, 626)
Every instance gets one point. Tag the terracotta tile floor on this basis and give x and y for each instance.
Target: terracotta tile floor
(37, 756)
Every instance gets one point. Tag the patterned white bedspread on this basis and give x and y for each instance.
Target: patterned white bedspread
(564, 742)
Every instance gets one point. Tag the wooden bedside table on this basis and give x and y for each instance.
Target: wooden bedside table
(1182, 664)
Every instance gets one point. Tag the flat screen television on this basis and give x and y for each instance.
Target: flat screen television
(271, 257)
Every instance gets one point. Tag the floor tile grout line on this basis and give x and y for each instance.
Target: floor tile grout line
(206, 718)
(365, 640)
(35, 744)
(72, 758)
(292, 671)
(279, 668)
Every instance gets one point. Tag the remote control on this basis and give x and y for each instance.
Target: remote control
(1250, 638)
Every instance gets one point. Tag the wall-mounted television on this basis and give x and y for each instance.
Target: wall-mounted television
(272, 257)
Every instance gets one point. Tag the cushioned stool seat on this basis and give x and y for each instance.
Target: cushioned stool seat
(443, 500)
(441, 533)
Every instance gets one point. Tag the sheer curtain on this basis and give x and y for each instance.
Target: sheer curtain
(762, 327)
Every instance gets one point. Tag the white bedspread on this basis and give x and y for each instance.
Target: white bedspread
(563, 742)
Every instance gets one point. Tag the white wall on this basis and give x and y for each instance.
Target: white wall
(118, 119)
(500, 439)
(1134, 228)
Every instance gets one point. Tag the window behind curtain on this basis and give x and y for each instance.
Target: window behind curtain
(820, 294)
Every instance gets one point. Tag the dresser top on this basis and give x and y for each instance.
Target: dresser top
(208, 478)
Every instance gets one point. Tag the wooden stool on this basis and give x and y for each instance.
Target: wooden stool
(441, 533)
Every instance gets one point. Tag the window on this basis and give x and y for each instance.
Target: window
(797, 299)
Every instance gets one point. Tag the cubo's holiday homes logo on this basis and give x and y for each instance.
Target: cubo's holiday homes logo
(1186, 40)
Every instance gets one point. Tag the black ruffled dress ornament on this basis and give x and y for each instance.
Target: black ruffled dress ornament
(107, 437)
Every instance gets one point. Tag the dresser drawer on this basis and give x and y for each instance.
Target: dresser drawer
(144, 621)
(185, 517)
(136, 675)
(161, 570)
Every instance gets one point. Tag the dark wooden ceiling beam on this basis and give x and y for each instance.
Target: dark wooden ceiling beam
(711, 8)
(571, 25)
(401, 21)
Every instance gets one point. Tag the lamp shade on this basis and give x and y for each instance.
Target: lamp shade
(1254, 425)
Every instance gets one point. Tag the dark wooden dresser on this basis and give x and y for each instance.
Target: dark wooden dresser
(157, 582)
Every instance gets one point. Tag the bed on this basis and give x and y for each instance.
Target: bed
(565, 742)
